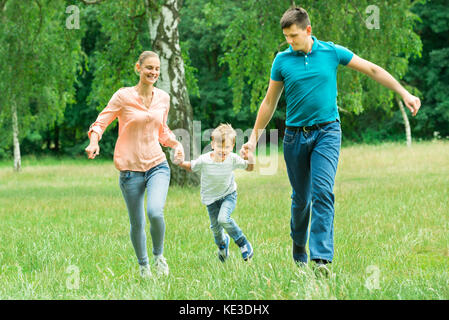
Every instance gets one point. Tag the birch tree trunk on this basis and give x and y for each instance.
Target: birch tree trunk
(163, 28)
(408, 132)
(15, 135)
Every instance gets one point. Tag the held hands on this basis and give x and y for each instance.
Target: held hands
(247, 150)
(179, 154)
(412, 103)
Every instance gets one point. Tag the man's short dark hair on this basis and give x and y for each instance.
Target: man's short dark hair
(296, 15)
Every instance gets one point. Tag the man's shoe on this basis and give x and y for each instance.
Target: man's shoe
(160, 263)
(321, 269)
(223, 249)
(299, 254)
(247, 251)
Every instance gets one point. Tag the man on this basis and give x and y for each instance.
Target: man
(308, 71)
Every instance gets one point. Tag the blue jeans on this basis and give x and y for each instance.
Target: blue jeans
(311, 159)
(133, 185)
(220, 218)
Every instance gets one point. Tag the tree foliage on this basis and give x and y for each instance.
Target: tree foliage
(254, 37)
(39, 65)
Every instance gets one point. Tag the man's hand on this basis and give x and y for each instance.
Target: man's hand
(412, 103)
(247, 148)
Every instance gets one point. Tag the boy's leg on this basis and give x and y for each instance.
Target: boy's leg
(217, 230)
(132, 185)
(324, 162)
(224, 219)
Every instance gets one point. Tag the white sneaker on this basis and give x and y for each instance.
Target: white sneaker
(160, 263)
(145, 271)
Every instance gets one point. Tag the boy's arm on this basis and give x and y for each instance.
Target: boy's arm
(185, 165)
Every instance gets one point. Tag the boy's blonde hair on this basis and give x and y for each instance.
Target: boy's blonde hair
(224, 132)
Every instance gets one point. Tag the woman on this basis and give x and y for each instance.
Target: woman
(142, 116)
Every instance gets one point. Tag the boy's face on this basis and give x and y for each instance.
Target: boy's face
(222, 149)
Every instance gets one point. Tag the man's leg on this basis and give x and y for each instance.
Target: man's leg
(324, 160)
(297, 146)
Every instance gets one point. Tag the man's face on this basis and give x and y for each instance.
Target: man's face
(297, 37)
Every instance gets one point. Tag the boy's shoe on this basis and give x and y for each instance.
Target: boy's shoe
(223, 250)
(145, 271)
(247, 251)
(321, 269)
(160, 263)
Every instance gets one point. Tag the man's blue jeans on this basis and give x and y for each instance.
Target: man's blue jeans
(133, 185)
(311, 158)
(220, 218)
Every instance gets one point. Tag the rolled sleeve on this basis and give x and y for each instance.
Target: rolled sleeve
(106, 116)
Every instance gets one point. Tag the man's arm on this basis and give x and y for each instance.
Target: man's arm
(386, 79)
(264, 115)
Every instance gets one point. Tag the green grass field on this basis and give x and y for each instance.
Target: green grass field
(64, 233)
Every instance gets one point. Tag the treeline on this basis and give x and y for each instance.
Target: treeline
(58, 87)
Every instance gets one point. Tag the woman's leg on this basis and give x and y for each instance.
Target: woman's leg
(132, 185)
(157, 183)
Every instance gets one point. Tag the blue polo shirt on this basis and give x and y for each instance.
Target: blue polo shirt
(310, 82)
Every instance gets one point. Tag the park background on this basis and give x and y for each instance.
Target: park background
(64, 226)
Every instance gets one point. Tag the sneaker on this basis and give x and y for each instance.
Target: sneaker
(223, 250)
(160, 263)
(321, 270)
(145, 271)
(247, 251)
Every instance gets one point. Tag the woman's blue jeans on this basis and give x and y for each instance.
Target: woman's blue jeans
(220, 218)
(311, 158)
(133, 185)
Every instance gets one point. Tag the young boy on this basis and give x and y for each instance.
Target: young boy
(219, 190)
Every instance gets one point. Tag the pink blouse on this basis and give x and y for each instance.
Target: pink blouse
(140, 129)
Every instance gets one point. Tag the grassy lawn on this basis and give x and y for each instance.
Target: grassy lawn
(64, 233)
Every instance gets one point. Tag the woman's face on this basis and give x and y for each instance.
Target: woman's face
(149, 70)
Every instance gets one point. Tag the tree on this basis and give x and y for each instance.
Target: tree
(135, 25)
(348, 23)
(38, 66)
(431, 73)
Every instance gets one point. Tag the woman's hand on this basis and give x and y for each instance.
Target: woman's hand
(179, 154)
(92, 150)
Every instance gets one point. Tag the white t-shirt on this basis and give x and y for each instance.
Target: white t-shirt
(217, 178)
